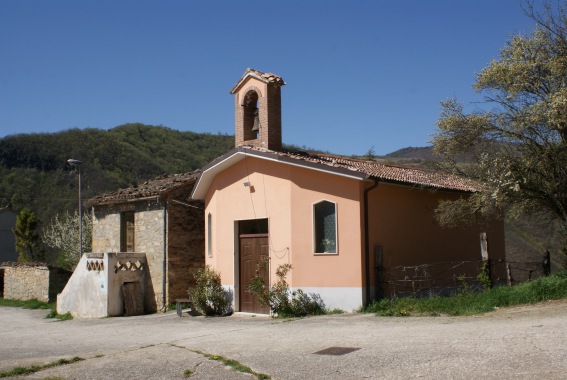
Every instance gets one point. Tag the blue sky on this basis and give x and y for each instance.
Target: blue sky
(359, 74)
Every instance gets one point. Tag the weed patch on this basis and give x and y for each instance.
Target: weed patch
(29, 304)
(62, 317)
(32, 304)
(36, 368)
(469, 302)
(237, 366)
(187, 373)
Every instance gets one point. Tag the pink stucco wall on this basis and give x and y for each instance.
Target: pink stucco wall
(401, 221)
(285, 195)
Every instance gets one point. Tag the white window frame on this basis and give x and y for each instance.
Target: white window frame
(210, 234)
(314, 229)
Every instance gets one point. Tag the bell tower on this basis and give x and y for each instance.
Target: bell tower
(258, 110)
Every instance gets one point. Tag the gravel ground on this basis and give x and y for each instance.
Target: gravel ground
(524, 342)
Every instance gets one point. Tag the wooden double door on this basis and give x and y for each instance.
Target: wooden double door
(254, 248)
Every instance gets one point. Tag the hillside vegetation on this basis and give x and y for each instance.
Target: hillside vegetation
(34, 172)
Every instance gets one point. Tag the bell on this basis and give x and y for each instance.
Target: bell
(256, 126)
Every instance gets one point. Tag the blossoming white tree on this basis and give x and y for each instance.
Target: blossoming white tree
(62, 233)
(518, 146)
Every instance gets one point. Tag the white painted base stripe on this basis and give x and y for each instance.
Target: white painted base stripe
(346, 299)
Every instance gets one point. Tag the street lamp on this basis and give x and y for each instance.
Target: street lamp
(77, 165)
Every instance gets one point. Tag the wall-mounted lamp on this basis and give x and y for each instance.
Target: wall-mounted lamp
(246, 184)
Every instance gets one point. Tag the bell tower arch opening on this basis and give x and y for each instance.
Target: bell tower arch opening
(251, 115)
(258, 116)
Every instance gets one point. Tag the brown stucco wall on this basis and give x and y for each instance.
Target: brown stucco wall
(402, 222)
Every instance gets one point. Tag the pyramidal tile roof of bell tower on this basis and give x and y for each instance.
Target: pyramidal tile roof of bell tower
(264, 77)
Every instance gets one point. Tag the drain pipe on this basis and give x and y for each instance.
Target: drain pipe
(367, 240)
(164, 264)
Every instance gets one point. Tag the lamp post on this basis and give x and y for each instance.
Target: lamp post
(77, 165)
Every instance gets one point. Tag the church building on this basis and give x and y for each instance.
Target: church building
(338, 221)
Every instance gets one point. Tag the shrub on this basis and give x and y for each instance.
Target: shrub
(280, 299)
(209, 297)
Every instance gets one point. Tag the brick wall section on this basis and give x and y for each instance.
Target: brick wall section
(274, 117)
(186, 243)
(26, 281)
(269, 106)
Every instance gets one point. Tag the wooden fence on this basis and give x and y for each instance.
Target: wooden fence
(450, 277)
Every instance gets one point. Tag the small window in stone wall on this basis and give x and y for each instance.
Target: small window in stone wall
(127, 231)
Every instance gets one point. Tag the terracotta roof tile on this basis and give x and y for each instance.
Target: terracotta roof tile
(269, 77)
(156, 186)
(391, 173)
(264, 77)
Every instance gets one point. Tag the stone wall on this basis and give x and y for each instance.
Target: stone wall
(185, 247)
(106, 229)
(26, 281)
(148, 239)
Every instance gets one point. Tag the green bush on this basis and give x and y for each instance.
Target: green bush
(209, 297)
(283, 302)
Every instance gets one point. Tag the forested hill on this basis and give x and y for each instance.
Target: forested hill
(34, 172)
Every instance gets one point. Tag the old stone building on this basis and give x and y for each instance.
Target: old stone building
(158, 219)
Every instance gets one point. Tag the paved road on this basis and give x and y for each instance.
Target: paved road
(524, 342)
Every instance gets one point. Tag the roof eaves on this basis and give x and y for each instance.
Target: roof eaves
(143, 194)
(239, 153)
(421, 185)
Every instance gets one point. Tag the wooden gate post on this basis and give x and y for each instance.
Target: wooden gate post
(485, 258)
(546, 263)
(509, 278)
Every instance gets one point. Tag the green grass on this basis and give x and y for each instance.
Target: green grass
(30, 304)
(469, 303)
(35, 304)
(334, 311)
(36, 368)
(237, 366)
